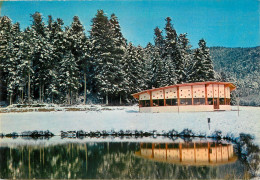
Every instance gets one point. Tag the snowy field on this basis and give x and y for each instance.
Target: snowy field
(128, 118)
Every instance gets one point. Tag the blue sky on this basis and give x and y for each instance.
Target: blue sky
(229, 23)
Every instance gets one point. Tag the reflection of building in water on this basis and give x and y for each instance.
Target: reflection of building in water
(199, 96)
(193, 153)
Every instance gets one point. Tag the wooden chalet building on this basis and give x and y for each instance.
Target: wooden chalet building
(199, 96)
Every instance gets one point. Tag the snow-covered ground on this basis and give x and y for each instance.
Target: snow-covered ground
(128, 118)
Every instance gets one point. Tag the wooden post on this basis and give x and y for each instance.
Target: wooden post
(151, 99)
(213, 94)
(218, 97)
(164, 97)
(178, 99)
(206, 94)
(225, 100)
(192, 95)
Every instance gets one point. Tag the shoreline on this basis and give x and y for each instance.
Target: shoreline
(80, 108)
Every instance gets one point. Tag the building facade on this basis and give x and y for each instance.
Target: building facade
(199, 96)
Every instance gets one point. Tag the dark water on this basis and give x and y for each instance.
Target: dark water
(196, 159)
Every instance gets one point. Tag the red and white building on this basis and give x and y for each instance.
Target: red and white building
(199, 96)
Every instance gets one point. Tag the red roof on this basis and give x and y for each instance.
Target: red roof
(227, 84)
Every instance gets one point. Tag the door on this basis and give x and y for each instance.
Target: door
(216, 104)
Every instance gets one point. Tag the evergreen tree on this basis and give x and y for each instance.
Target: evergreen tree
(159, 40)
(14, 80)
(5, 38)
(80, 49)
(172, 54)
(26, 67)
(207, 62)
(40, 50)
(198, 74)
(158, 78)
(148, 57)
(118, 52)
(103, 62)
(135, 69)
(186, 57)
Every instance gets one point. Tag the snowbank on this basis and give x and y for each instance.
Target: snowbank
(128, 118)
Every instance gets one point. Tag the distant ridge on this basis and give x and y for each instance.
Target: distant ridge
(243, 66)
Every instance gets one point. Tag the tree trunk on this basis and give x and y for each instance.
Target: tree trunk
(29, 93)
(22, 95)
(68, 100)
(10, 99)
(106, 99)
(40, 93)
(52, 98)
(71, 97)
(120, 100)
(85, 87)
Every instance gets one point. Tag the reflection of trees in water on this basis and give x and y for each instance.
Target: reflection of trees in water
(249, 154)
(60, 161)
(127, 165)
(107, 160)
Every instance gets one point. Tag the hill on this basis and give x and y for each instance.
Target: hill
(241, 66)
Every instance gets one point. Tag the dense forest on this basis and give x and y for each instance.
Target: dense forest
(53, 63)
(241, 66)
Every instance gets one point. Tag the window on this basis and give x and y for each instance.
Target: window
(210, 101)
(185, 101)
(171, 102)
(221, 101)
(155, 103)
(158, 102)
(198, 101)
(144, 103)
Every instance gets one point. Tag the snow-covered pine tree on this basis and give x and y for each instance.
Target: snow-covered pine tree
(80, 49)
(15, 81)
(143, 84)
(136, 75)
(206, 61)
(186, 57)
(119, 50)
(85, 64)
(40, 57)
(172, 54)
(158, 77)
(68, 79)
(5, 36)
(103, 62)
(148, 56)
(197, 73)
(50, 87)
(159, 60)
(159, 41)
(25, 70)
